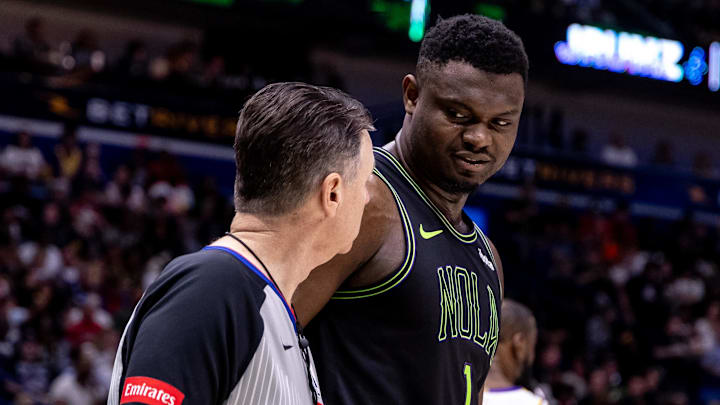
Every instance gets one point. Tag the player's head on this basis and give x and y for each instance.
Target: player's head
(463, 105)
(518, 335)
(305, 149)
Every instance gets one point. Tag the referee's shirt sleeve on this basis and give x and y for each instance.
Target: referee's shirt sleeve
(194, 341)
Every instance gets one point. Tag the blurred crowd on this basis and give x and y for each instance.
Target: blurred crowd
(544, 131)
(78, 245)
(185, 66)
(628, 309)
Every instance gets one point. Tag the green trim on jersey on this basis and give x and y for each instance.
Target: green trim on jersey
(465, 238)
(404, 269)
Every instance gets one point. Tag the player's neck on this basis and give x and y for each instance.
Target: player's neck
(497, 380)
(288, 258)
(450, 204)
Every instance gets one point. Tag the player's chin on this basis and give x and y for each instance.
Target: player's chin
(474, 180)
(459, 186)
(468, 182)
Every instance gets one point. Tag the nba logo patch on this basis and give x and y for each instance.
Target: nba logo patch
(486, 260)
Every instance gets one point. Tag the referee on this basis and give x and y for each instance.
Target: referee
(216, 327)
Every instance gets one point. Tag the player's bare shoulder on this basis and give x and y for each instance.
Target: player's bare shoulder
(380, 223)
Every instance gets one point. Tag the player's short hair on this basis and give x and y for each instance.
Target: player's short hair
(515, 318)
(289, 137)
(484, 43)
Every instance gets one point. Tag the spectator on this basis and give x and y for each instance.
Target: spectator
(663, 154)
(77, 385)
(134, 62)
(32, 48)
(86, 53)
(120, 192)
(618, 153)
(33, 370)
(214, 72)
(41, 258)
(23, 159)
(578, 142)
(598, 389)
(703, 166)
(91, 175)
(88, 322)
(708, 329)
(69, 155)
(182, 61)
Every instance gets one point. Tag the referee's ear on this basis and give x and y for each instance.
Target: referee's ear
(331, 194)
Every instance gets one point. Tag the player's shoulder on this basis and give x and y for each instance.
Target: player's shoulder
(379, 216)
(512, 395)
(380, 228)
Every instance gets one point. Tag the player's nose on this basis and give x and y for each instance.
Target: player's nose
(477, 137)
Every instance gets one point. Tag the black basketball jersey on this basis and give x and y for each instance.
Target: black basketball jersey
(427, 333)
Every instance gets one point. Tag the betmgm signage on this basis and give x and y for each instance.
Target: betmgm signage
(638, 55)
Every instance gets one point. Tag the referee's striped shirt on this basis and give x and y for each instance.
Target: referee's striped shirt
(211, 329)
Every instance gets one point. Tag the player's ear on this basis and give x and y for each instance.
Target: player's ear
(331, 193)
(518, 345)
(410, 93)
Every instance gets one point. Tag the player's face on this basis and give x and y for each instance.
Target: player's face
(463, 123)
(357, 196)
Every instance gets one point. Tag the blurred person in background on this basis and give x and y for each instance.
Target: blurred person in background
(703, 166)
(663, 155)
(68, 154)
(32, 48)
(135, 62)
(86, 53)
(303, 162)
(23, 159)
(77, 385)
(33, 370)
(618, 152)
(87, 321)
(514, 360)
(121, 191)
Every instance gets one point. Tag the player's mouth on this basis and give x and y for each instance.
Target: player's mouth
(470, 163)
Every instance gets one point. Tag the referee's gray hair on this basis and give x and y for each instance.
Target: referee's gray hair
(289, 137)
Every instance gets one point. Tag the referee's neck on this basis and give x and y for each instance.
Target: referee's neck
(283, 244)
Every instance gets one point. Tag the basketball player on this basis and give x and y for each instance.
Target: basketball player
(215, 327)
(412, 314)
(514, 359)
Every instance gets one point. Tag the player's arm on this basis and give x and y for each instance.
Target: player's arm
(480, 394)
(498, 263)
(312, 294)
(192, 345)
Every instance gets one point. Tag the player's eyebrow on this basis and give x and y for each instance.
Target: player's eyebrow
(454, 101)
(511, 111)
(449, 99)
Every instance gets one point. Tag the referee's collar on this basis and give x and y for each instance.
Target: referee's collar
(255, 270)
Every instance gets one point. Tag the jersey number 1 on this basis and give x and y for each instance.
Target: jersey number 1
(468, 383)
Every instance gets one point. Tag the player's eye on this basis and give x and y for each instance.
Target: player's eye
(456, 114)
(502, 123)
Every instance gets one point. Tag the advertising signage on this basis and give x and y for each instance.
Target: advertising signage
(637, 55)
